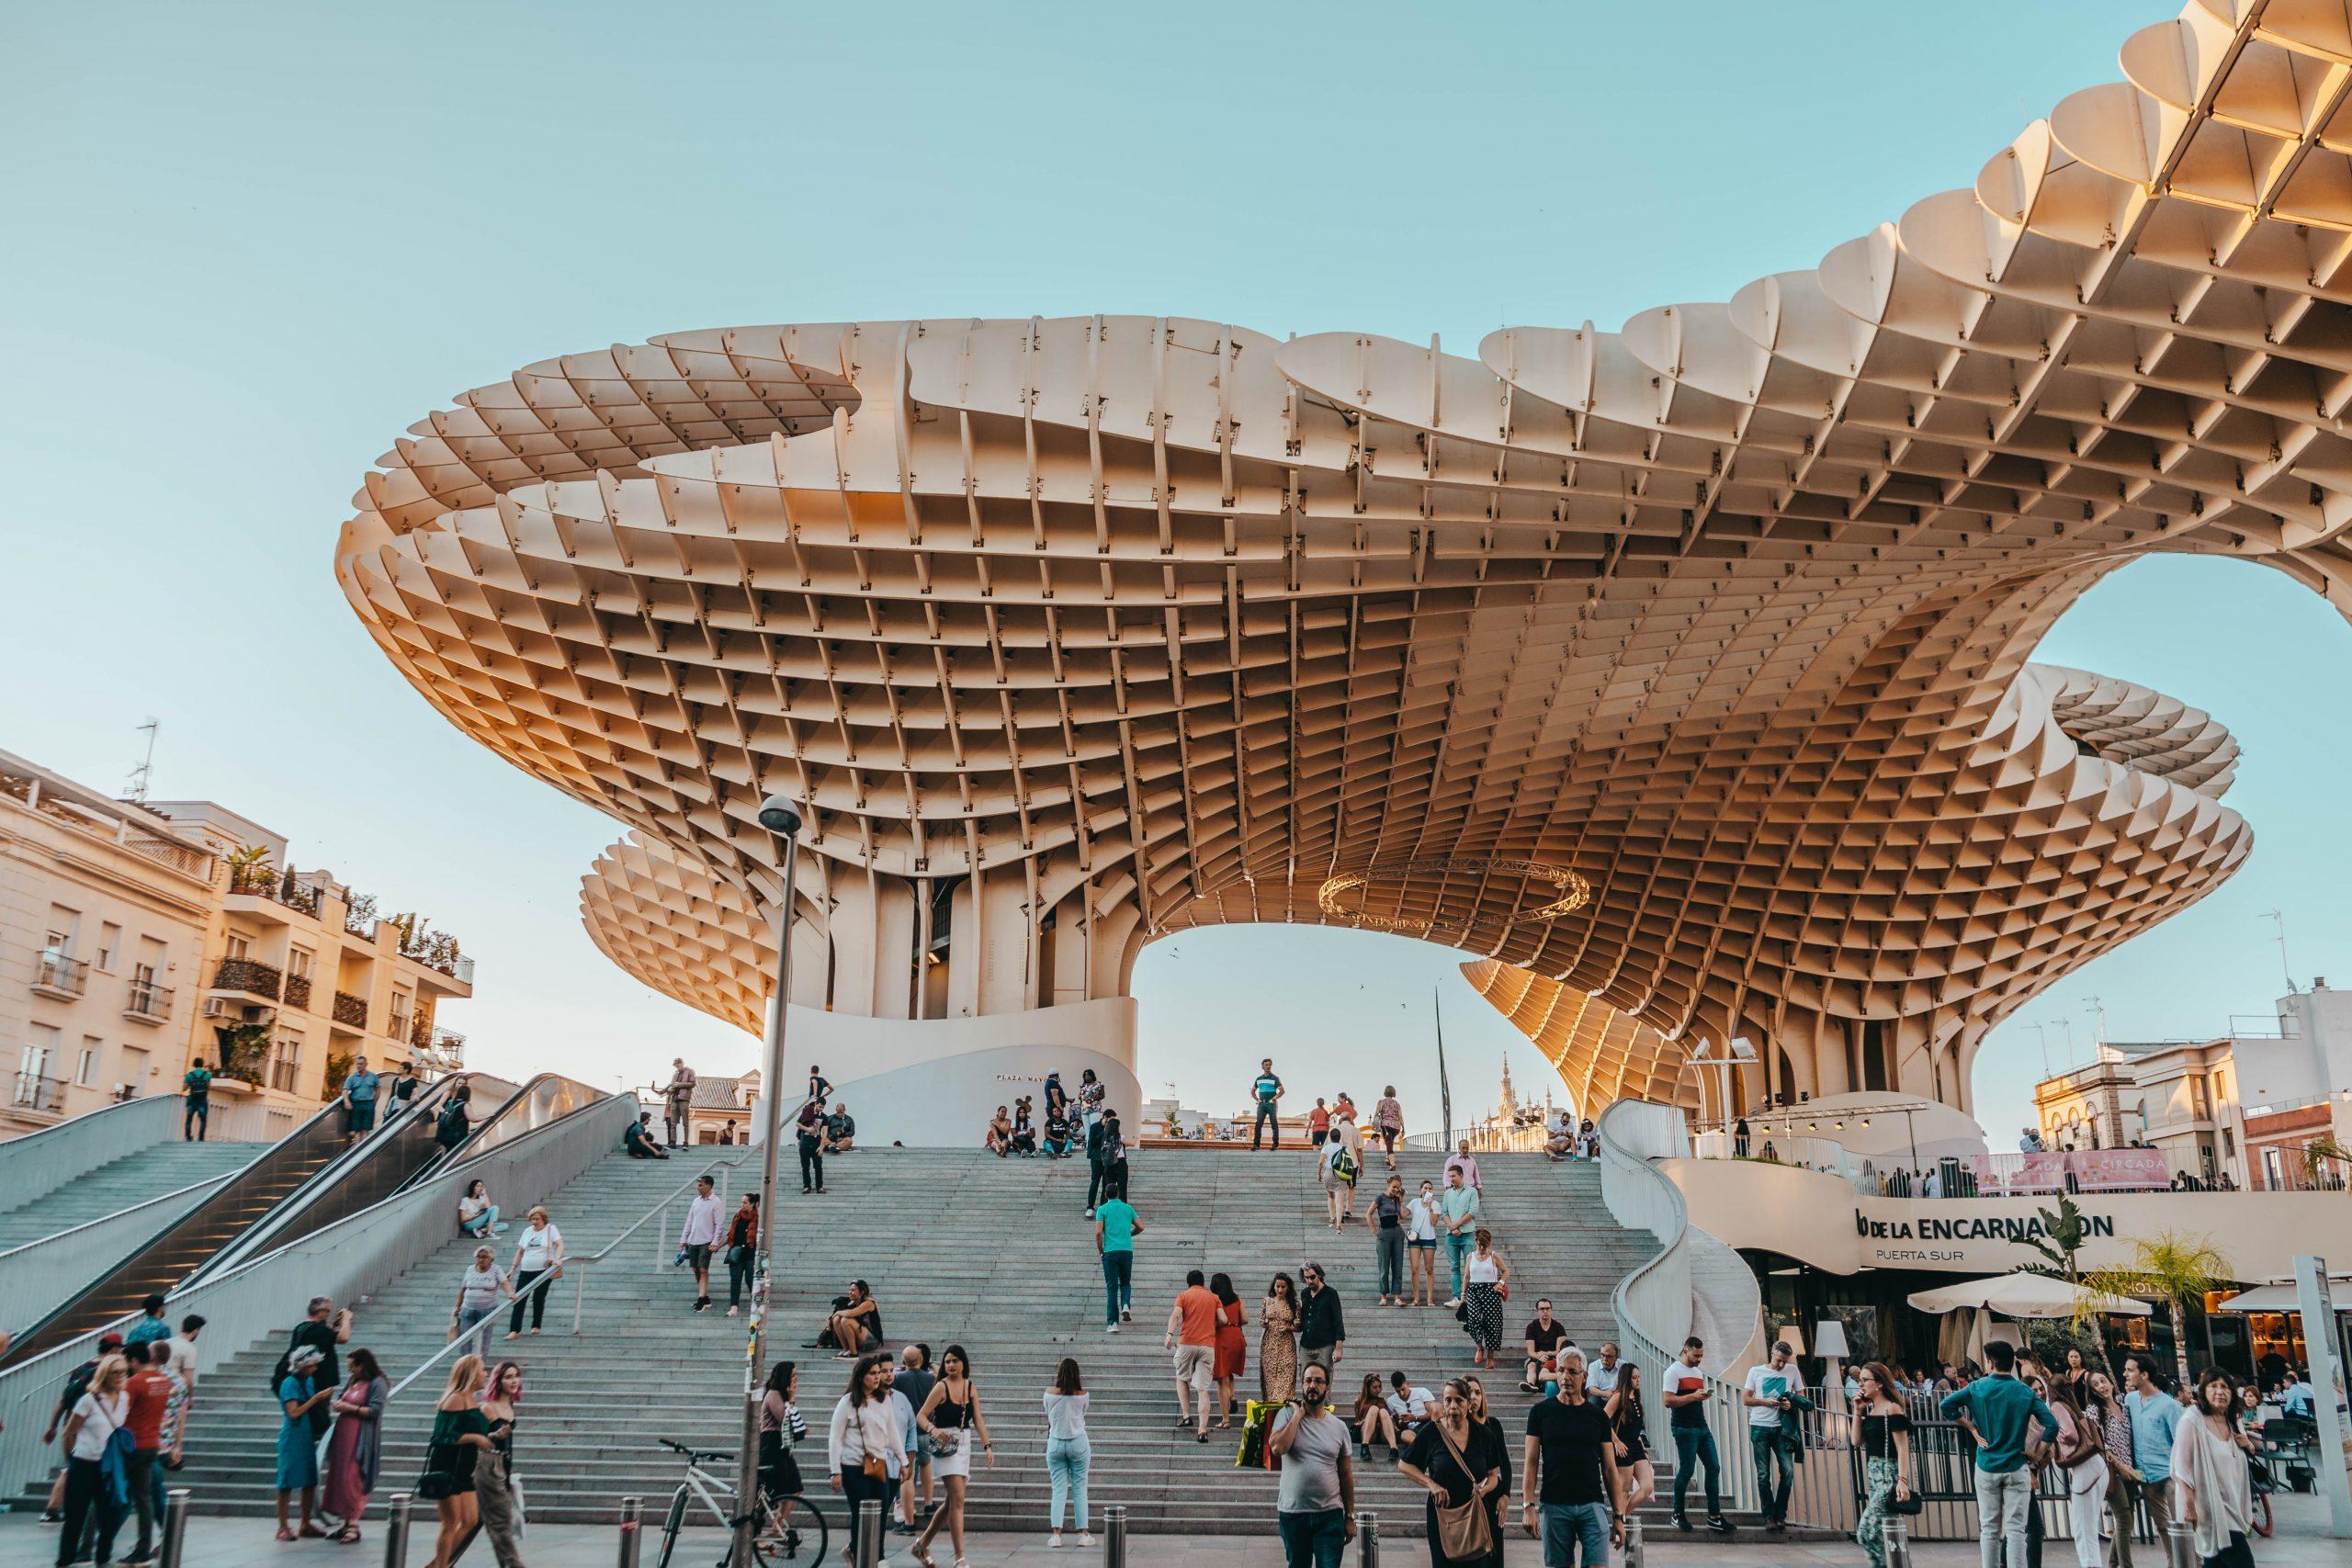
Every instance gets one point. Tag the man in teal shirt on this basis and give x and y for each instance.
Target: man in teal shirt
(2002, 1410)
(1459, 1207)
(1117, 1225)
(2155, 1415)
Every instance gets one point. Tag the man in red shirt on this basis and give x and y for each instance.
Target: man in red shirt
(1191, 1334)
(150, 1391)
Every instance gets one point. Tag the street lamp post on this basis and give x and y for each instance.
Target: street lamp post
(781, 817)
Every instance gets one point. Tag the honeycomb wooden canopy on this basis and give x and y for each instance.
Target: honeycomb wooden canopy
(1074, 632)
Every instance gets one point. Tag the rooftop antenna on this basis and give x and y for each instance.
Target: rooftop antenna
(136, 790)
(2068, 1025)
(2042, 1031)
(2099, 1008)
(2279, 919)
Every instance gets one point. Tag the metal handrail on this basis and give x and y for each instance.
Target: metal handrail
(265, 1232)
(121, 1214)
(245, 1302)
(36, 1337)
(660, 1206)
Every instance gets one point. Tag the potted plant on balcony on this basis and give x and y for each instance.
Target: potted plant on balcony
(249, 869)
(243, 1049)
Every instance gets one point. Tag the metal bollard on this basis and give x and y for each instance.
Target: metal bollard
(1898, 1544)
(2180, 1547)
(869, 1534)
(1114, 1536)
(1367, 1539)
(174, 1525)
(396, 1530)
(1634, 1546)
(632, 1530)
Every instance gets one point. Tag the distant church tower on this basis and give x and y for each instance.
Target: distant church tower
(1510, 1107)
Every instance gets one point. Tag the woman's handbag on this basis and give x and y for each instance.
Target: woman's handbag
(440, 1477)
(871, 1467)
(1463, 1531)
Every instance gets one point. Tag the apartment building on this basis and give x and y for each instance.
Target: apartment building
(104, 908)
(134, 939)
(300, 975)
(2266, 1108)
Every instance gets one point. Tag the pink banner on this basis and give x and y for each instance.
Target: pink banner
(2094, 1170)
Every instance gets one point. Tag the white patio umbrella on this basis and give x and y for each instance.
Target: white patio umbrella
(2021, 1295)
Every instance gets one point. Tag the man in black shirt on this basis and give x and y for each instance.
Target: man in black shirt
(1322, 1332)
(323, 1330)
(1571, 1456)
(1544, 1337)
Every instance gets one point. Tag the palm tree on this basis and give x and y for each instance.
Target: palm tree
(2170, 1268)
(2061, 1247)
(2324, 1158)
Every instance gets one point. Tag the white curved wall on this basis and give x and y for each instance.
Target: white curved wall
(934, 1082)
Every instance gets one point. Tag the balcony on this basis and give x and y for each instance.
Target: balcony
(147, 1002)
(36, 1094)
(55, 974)
(249, 977)
(297, 991)
(351, 1012)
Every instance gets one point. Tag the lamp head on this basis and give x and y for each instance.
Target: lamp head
(779, 816)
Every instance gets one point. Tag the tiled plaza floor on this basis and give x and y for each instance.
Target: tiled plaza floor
(2301, 1543)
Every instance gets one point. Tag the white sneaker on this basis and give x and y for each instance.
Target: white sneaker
(1110, 1328)
(1055, 1540)
(1455, 1302)
(1086, 1538)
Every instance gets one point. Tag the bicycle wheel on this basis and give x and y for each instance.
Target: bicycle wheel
(2260, 1517)
(670, 1524)
(800, 1541)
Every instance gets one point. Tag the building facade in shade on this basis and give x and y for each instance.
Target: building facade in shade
(1684, 668)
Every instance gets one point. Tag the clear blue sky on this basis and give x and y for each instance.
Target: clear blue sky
(249, 245)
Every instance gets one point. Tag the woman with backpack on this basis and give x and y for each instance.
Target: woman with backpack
(1340, 1172)
(455, 1124)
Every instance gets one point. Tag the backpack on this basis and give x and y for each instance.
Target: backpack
(1344, 1165)
(320, 1417)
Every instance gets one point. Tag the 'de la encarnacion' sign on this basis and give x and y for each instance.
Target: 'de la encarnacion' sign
(1942, 1239)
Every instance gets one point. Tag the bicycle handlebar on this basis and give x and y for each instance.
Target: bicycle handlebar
(693, 1456)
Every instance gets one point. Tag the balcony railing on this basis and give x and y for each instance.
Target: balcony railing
(297, 991)
(58, 975)
(37, 1093)
(147, 1002)
(352, 1011)
(249, 976)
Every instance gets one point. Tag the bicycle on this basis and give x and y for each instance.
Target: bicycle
(774, 1540)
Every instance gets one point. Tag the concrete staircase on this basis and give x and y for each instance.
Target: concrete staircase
(133, 1178)
(959, 1247)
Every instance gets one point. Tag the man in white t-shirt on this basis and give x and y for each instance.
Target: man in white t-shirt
(1770, 1397)
(1409, 1405)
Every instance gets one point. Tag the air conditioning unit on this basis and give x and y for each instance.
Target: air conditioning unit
(218, 1007)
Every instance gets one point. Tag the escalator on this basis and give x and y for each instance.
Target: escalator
(308, 1180)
